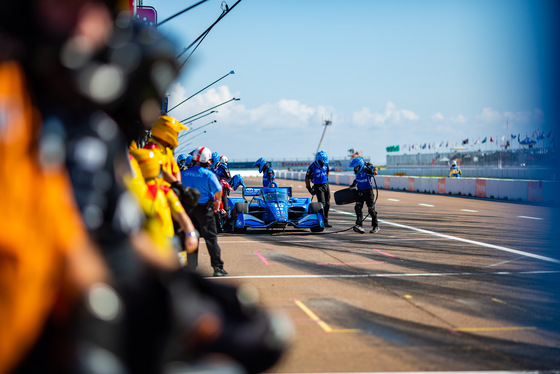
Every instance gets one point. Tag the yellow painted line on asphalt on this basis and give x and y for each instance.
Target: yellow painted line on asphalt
(480, 329)
(509, 305)
(320, 322)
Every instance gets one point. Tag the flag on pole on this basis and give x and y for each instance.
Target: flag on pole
(484, 140)
(491, 139)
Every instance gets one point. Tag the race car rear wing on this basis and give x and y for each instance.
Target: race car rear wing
(256, 191)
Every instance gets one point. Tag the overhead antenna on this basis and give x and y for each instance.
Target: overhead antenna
(196, 93)
(201, 37)
(181, 12)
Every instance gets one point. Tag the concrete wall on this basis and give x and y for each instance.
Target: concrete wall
(501, 189)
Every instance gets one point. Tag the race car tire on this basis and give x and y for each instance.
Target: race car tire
(315, 207)
(239, 208)
(345, 196)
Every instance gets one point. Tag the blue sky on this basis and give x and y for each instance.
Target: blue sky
(387, 73)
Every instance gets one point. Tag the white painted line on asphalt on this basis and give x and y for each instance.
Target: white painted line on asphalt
(474, 242)
(430, 205)
(536, 218)
(468, 210)
(383, 275)
(504, 262)
(375, 239)
(393, 199)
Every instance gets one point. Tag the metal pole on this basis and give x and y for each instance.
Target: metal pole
(225, 102)
(196, 119)
(188, 132)
(326, 123)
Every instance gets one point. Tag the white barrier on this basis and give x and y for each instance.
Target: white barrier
(502, 189)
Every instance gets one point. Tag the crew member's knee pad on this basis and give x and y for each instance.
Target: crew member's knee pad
(358, 209)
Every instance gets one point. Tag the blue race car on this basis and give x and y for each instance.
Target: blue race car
(274, 207)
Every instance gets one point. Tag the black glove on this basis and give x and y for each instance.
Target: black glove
(311, 190)
(187, 195)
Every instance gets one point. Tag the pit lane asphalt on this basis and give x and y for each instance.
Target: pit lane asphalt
(448, 284)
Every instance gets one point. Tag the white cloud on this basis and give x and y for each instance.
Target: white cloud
(390, 114)
(459, 119)
(409, 115)
(285, 113)
(437, 117)
(490, 115)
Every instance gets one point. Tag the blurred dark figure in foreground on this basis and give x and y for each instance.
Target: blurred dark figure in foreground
(75, 88)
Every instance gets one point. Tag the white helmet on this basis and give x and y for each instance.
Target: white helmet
(202, 155)
(224, 160)
(454, 163)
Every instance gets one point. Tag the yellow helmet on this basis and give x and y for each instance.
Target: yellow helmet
(167, 129)
(149, 162)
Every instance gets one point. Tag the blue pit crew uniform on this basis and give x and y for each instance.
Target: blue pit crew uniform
(268, 172)
(206, 182)
(268, 176)
(365, 182)
(319, 175)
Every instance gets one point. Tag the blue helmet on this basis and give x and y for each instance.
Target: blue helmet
(181, 159)
(237, 181)
(188, 161)
(215, 157)
(358, 164)
(321, 158)
(261, 162)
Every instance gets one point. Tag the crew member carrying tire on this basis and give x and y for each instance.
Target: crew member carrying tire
(318, 172)
(364, 182)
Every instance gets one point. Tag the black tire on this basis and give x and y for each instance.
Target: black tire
(315, 207)
(345, 196)
(239, 208)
